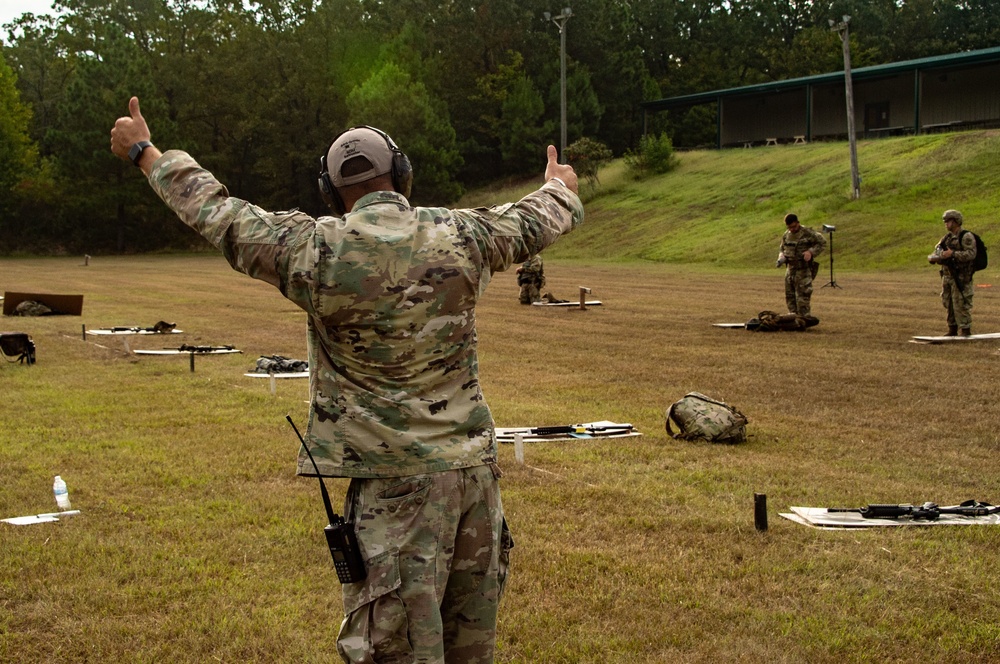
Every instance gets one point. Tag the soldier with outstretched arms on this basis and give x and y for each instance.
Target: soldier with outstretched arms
(390, 293)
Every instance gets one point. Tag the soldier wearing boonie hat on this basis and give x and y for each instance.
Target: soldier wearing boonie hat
(390, 293)
(955, 254)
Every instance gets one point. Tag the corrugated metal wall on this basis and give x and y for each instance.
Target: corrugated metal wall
(948, 99)
(965, 95)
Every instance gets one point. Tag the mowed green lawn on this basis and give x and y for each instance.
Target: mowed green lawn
(197, 543)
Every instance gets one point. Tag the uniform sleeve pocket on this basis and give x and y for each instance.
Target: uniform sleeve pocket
(375, 626)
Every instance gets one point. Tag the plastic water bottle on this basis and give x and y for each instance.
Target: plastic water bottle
(61, 493)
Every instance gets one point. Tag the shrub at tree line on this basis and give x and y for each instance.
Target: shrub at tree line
(655, 156)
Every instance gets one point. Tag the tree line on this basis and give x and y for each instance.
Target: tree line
(470, 90)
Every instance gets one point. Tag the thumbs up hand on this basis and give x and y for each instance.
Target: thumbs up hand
(565, 172)
(129, 130)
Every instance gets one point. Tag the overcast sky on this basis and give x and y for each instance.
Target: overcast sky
(11, 9)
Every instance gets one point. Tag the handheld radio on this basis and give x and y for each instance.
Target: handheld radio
(340, 537)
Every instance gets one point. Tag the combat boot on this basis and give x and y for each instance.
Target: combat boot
(952, 331)
(965, 332)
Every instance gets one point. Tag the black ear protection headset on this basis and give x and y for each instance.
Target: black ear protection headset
(401, 172)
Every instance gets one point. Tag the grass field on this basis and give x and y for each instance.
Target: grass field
(197, 543)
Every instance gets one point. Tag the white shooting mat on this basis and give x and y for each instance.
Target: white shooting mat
(819, 517)
(48, 517)
(589, 303)
(131, 331)
(951, 340)
(176, 351)
(507, 434)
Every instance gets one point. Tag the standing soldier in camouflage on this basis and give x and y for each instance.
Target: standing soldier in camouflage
(531, 279)
(799, 248)
(390, 291)
(955, 253)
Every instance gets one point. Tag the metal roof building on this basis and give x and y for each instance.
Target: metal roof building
(946, 92)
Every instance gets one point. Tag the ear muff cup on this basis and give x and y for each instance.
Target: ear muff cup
(326, 189)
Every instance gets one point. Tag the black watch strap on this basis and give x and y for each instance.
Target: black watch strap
(135, 152)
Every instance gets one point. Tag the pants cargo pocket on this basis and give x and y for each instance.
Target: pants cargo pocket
(506, 544)
(375, 627)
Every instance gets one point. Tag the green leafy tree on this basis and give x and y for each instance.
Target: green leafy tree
(18, 153)
(583, 109)
(110, 195)
(418, 123)
(485, 136)
(44, 65)
(524, 133)
(21, 172)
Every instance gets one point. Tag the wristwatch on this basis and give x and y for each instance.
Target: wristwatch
(135, 152)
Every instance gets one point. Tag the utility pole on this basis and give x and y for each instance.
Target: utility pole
(842, 30)
(560, 21)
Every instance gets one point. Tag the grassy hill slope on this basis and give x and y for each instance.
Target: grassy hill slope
(723, 208)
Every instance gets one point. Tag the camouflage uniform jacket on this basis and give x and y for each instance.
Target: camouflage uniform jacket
(390, 292)
(794, 245)
(963, 247)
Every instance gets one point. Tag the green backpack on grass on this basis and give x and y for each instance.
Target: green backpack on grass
(700, 417)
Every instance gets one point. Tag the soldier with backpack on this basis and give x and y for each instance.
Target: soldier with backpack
(798, 251)
(956, 254)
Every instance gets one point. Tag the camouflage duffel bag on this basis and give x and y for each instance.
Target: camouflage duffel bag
(700, 417)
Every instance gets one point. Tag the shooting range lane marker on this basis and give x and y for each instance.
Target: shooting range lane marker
(760, 511)
(562, 477)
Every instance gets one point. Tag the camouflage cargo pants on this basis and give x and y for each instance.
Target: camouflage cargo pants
(957, 300)
(799, 288)
(437, 549)
(530, 293)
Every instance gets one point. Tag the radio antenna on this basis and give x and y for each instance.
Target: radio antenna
(334, 519)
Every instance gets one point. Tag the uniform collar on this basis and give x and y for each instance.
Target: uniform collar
(377, 197)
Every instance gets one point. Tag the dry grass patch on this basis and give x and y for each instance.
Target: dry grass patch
(197, 543)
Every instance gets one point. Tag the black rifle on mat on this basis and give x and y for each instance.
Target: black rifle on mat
(927, 511)
(579, 428)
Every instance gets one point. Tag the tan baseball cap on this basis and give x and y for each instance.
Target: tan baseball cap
(359, 142)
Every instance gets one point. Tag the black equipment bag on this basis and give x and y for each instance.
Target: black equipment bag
(17, 345)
